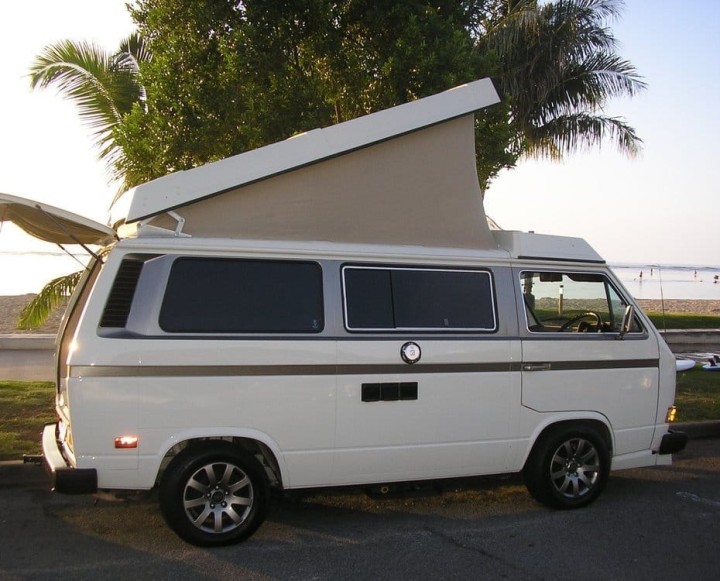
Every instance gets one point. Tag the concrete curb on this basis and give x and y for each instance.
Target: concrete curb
(17, 474)
(684, 340)
(28, 342)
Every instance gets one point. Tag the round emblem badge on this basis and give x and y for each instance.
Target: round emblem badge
(410, 352)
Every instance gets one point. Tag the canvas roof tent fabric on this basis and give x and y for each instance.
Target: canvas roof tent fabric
(405, 175)
(52, 224)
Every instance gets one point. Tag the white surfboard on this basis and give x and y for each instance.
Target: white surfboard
(684, 364)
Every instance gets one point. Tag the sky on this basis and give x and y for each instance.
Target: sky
(663, 206)
(658, 208)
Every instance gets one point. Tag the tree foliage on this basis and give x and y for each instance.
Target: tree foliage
(559, 68)
(53, 294)
(104, 86)
(228, 76)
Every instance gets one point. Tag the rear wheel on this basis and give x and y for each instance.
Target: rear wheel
(568, 468)
(214, 494)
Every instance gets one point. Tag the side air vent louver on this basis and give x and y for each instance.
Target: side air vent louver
(117, 308)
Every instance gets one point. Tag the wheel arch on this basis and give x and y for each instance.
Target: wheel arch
(551, 427)
(265, 451)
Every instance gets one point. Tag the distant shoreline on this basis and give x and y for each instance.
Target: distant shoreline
(700, 306)
(11, 306)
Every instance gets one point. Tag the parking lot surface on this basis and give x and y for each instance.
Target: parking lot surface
(660, 523)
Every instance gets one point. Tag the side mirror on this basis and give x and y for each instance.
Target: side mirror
(627, 321)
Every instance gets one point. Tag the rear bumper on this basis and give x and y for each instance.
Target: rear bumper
(65, 478)
(673, 442)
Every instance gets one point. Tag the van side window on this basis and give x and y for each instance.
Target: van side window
(572, 302)
(387, 299)
(215, 295)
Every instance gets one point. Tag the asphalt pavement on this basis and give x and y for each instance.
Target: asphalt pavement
(651, 524)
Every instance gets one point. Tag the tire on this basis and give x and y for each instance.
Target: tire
(214, 494)
(568, 468)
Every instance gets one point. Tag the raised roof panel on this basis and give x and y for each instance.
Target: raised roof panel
(405, 175)
(545, 247)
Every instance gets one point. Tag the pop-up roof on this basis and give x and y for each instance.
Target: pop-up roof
(405, 175)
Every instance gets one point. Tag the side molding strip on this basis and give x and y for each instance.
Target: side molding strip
(399, 369)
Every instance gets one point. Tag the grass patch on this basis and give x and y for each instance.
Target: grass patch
(698, 395)
(684, 320)
(25, 406)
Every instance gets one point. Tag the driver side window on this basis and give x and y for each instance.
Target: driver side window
(572, 302)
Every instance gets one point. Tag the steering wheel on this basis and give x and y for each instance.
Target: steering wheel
(582, 329)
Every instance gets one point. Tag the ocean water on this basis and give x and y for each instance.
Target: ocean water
(653, 281)
(27, 272)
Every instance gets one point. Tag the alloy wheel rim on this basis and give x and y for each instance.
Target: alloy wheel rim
(218, 497)
(575, 468)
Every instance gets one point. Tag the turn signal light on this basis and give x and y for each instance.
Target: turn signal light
(126, 442)
(671, 414)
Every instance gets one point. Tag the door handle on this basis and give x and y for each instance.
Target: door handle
(536, 367)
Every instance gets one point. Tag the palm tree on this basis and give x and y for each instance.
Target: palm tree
(558, 69)
(105, 87)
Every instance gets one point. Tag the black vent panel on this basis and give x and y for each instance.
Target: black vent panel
(118, 306)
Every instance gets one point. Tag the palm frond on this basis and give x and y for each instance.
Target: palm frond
(127, 61)
(37, 311)
(104, 86)
(559, 68)
(568, 133)
(586, 86)
(81, 71)
(133, 51)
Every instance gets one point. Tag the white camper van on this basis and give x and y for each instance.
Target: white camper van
(333, 310)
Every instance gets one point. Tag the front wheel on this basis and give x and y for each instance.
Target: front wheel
(214, 494)
(568, 468)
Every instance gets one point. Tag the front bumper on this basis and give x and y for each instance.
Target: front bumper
(65, 478)
(673, 442)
